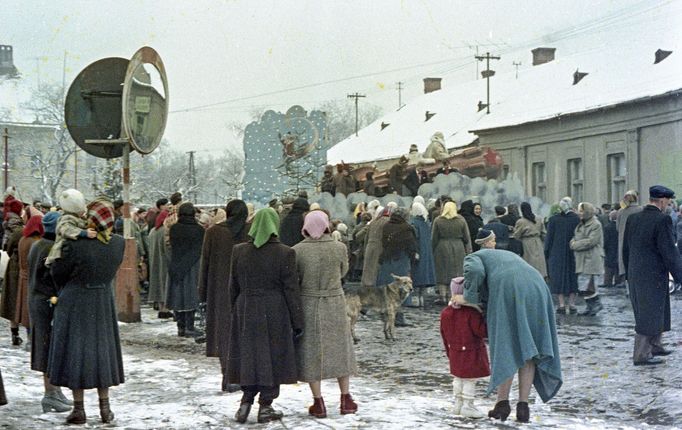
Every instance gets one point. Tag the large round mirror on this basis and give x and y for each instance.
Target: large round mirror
(145, 100)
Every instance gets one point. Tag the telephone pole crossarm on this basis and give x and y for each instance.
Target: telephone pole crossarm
(356, 96)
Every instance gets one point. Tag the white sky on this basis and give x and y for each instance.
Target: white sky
(217, 51)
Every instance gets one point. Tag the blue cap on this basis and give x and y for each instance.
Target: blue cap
(661, 192)
(50, 222)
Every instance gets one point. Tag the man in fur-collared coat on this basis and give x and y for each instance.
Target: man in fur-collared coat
(649, 254)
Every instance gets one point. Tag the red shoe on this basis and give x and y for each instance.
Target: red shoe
(348, 406)
(318, 409)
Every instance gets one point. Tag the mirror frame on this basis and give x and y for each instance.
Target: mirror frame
(143, 55)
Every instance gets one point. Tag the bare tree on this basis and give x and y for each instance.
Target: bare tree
(341, 118)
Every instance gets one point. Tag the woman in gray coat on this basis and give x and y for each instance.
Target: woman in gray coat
(326, 348)
(451, 242)
(588, 246)
(373, 246)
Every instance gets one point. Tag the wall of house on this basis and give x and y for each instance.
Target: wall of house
(631, 146)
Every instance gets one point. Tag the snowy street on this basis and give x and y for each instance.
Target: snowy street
(171, 385)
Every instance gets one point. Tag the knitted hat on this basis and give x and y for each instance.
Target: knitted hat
(483, 236)
(72, 201)
(50, 222)
(456, 288)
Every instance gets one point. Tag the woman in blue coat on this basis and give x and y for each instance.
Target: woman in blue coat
(424, 272)
(521, 325)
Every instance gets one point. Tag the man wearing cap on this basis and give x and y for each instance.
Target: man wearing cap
(649, 254)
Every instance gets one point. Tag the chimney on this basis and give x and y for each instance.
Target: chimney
(431, 85)
(661, 55)
(7, 61)
(542, 55)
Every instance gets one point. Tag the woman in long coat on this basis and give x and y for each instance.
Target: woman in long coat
(85, 349)
(451, 241)
(186, 240)
(266, 317)
(587, 244)
(41, 289)
(530, 230)
(560, 258)
(326, 349)
(290, 231)
(424, 271)
(214, 278)
(158, 266)
(14, 227)
(399, 248)
(521, 326)
(32, 233)
(474, 221)
(373, 247)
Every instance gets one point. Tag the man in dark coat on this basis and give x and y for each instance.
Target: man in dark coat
(501, 230)
(649, 254)
(290, 231)
(327, 182)
(396, 175)
(611, 276)
(411, 183)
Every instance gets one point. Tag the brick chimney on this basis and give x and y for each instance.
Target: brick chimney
(431, 85)
(542, 55)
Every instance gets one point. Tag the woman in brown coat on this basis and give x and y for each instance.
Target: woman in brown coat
(32, 233)
(531, 232)
(451, 242)
(14, 226)
(214, 277)
(266, 317)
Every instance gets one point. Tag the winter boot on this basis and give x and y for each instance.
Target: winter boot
(318, 409)
(596, 305)
(52, 403)
(62, 397)
(267, 413)
(468, 409)
(105, 411)
(16, 340)
(501, 410)
(243, 412)
(457, 392)
(589, 306)
(348, 406)
(522, 412)
(77, 415)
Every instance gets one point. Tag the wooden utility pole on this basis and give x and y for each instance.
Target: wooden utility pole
(487, 74)
(192, 175)
(356, 96)
(400, 94)
(5, 138)
(517, 68)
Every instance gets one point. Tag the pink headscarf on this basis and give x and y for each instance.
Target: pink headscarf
(456, 288)
(315, 224)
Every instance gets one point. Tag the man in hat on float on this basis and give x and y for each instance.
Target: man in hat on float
(649, 254)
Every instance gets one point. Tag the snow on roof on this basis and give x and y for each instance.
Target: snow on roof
(620, 69)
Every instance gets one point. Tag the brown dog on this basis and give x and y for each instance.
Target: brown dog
(386, 299)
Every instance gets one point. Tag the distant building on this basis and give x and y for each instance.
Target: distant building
(7, 67)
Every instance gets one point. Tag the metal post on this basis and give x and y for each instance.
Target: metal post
(75, 169)
(5, 138)
(127, 230)
(487, 67)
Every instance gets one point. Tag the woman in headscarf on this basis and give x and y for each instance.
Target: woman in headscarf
(474, 221)
(158, 266)
(85, 349)
(14, 227)
(399, 247)
(560, 258)
(290, 232)
(186, 240)
(32, 233)
(252, 212)
(521, 326)
(372, 207)
(266, 317)
(424, 273)
(530, 230)
(451, 241)
(42, 291)
(373, 246)
(588, 246)
(326, 349)
(214, 277)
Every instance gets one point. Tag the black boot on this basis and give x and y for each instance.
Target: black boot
(16, 340)
(105, 411)
(522, 412)
(501, 410)
(243, 413)
(77, 415)
(589, 306)
(266, 414)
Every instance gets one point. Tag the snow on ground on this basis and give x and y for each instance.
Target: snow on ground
(402, 385)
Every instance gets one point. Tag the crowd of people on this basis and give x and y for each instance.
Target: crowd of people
(271, 285)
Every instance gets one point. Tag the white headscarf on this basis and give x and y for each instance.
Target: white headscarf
(377, 214)
(419, 199)
(418, 210)
(372, 207)
(566, 204)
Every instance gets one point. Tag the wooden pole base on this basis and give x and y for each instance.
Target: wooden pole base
(127, 291)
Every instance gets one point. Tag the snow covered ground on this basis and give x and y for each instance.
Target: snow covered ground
(401, 385)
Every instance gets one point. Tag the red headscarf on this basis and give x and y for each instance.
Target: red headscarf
(12, 205)
(160, 218)
(33, 226)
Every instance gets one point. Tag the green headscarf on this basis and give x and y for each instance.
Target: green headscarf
(265, 224)
(554, 209)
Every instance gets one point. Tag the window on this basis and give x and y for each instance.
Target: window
(616, 172)
(574, 181)
(539, 181)
(504, 174)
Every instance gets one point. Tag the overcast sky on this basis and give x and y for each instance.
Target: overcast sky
(224, 53)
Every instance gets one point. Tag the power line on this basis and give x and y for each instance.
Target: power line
(356, 96)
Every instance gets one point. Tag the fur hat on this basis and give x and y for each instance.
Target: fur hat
(413, 148)
(483, 236)
(72, 201)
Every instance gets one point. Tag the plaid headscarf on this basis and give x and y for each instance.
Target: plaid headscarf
(101, 215)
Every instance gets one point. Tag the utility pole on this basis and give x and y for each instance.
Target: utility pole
(487, 73)
(192, 174)
(5, 138)
(517, 68)
(75, 169)
(400, 94)
(356, 96)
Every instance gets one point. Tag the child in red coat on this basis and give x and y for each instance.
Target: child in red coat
(463, 329)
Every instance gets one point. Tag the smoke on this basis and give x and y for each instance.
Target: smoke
(489, 193)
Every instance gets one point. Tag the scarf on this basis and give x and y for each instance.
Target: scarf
(265, 224)
(186, 241)
(34, 226)
(101, 217)
(418, 210)
(527, 212)
(449, 210)
(237, 212)
(160, 218)
(316, 224)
